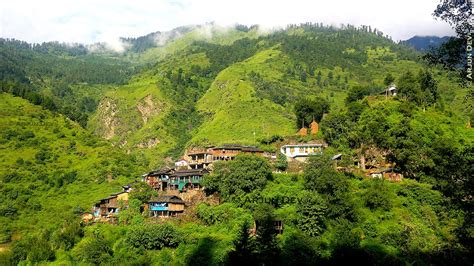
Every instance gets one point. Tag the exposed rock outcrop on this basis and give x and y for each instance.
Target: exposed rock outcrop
(147, 108)
(108, 119)
(149, 143)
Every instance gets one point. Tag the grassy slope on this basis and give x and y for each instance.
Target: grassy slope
(34, 185)
(235, 113)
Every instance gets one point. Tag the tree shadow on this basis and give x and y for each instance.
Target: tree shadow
(202, 254)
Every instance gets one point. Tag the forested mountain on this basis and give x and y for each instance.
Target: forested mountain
(425, 43)
(79, 121)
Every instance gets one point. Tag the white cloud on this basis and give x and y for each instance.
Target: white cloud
(90, 21)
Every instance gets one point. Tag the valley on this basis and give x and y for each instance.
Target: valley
(172, 140)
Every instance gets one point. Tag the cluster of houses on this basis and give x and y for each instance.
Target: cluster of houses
(187, 175)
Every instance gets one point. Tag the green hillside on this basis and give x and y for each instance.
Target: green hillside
(52, 168)
(244, 88)
(78, 122)
(207, 84)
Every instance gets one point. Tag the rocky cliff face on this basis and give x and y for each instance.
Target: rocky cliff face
(107, 122)
(147, 108)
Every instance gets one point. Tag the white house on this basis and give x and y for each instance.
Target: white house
(392, 90)
(181, 164)
(301, 151)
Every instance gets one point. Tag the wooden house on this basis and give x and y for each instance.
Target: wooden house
(184, 180)
(180, 179)
(199, 158)
(110, 206)
(165, 206)
(159, 179)
(228, 152)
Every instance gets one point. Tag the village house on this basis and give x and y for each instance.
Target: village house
(202, 158)
(391, 90)
(171, 179)
(301, 152)
(199, 158)
(158, 179)
(187, 175)
(387, 173)
(182, 164)
(109, 207)
(228, 152)
(165, 206)
(184, 180)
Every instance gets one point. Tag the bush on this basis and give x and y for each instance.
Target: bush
(334, 187)
(67, 236)
(154, 236)
(252, 173)
(298, 249)
(93, 250)
(33, 249)
(312, 213)
(378, 195)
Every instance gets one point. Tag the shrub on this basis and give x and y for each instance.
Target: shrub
(378, 195)
(154, 236)
(93, 250)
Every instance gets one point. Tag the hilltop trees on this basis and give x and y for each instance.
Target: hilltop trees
(154, 236)
(265, 241)
(308, 109)
(378, 195)
(243, 247)
(34, 249)
(421, 89)
(93, 250)
(357, 93)
(452, 53)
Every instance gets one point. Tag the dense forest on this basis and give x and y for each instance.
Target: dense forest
(77, 123)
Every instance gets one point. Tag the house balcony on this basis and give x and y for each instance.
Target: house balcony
(200, 161)
(158, 208)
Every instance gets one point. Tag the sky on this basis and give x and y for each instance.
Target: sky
(90, 21)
